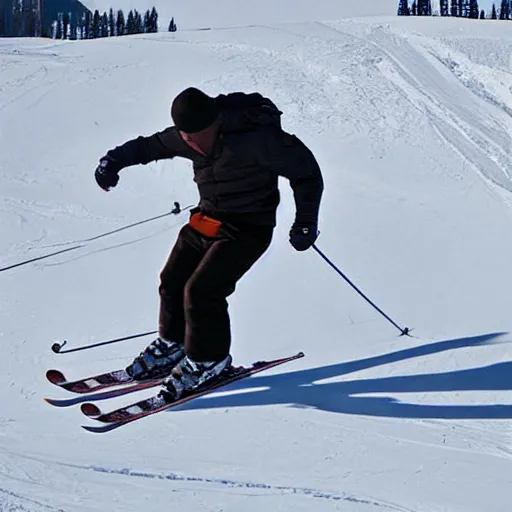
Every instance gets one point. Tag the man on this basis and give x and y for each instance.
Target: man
(238, 150)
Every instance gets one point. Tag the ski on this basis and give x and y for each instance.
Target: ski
(157, 403)
(103, 395)
(89, 384)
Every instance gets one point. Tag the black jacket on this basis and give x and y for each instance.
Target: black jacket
(238, 183)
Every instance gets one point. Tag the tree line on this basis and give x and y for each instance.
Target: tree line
(113, 24)
(455, 8)
(24, 21)
(19, 19)
(96, 25)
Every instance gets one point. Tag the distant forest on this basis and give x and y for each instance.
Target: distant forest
(455, 8)
(69, 19)
(111, 24)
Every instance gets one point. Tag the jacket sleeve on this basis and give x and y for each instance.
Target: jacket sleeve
(289, 157)
(142, 150)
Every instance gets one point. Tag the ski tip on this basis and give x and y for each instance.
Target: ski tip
(94, 430)
(59, 402)
(99, 429)
(90, 410)
(55, 377)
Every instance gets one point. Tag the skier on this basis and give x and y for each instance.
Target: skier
(238, 150)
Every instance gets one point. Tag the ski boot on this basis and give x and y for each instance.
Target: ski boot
(188, 375)
(157, 360)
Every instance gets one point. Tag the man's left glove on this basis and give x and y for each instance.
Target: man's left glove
(303, 236)
(106, 173)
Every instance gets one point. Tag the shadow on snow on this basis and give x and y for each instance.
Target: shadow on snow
(300, 388)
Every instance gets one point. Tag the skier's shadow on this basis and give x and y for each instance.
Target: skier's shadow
(300, 388)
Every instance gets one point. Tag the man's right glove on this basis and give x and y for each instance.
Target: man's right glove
(303, 236)
(106, 173)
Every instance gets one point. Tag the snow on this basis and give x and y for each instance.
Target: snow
(410, 120)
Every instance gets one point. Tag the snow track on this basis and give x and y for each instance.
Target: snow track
(257, 488)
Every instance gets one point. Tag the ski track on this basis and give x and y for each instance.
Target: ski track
(36, 82)
(477, 137)
(50, 469)
(13, 502)
(34, 79)
(254, 486)
(495, 440)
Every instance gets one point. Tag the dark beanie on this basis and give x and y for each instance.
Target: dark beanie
(193, 110)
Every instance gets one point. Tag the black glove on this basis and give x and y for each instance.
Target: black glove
(303, 236)
(106, 173)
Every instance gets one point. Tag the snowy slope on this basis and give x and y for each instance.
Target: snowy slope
(411, 122)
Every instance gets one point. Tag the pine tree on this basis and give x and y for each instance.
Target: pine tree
(403, 8)
(444, 7)
(172, 25)
(505, 10)
(147, 22)
(474, 10)
(3, 23)
(104, 25)
(460, 8)
(454, 9)
(74, 27)
(482, 14)
(120, 23)
(154, 19)
(65, 26)
(22, 31)
(111, 23)
(28, 18)
(424, 8)
(16, 20)
(58, 27)
(86, 25)
(414, 8)
(130, 24)
(139, 25)
(494, 15)
(96, 19)
(137, 22)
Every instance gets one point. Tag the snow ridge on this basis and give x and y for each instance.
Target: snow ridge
(236, 484)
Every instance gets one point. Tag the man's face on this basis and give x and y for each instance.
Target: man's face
(202, 141)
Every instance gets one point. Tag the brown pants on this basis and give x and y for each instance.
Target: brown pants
(199, 275)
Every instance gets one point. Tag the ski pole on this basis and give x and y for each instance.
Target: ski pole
(57, 347)
(404, 330)
(177, 210)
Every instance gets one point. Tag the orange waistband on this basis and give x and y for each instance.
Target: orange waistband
(205, 225)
